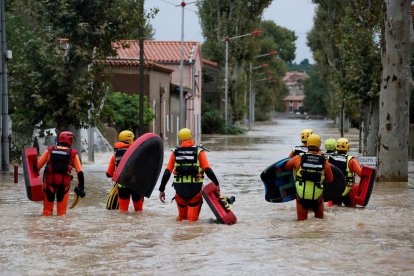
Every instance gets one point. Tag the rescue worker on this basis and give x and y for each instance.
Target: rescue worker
(312, 173)
(57, 176)
(126, 138)
(330, 146)
(303, 148)
(188, 163)
(348, 165)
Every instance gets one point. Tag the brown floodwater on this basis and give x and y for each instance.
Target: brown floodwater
(267, 239)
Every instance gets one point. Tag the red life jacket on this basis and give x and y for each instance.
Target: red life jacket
(58, 171)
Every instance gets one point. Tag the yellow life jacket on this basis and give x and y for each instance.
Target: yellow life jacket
(310, 176)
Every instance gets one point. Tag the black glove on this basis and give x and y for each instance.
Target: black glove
(210, 174)
(80, 192)
(107, 175)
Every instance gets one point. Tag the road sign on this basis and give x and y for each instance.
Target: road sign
(370, 161)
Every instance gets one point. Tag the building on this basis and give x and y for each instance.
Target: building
(164, 56)
(294, 82)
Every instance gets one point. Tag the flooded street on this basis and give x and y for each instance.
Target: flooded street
(267, 239)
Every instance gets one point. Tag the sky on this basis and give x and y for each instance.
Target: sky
(295, 15)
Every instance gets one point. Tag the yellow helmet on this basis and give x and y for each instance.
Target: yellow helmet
(305, 135)
(184, 134)
(330, 144)
(126, 136)
(342, 144)
(314, 141)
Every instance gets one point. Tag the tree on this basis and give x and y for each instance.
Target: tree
(220, 19)
(346, 49)
(120, 111)
(396, 88)
(55, 68)
(316, 94)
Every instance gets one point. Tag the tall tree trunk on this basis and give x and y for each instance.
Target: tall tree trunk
(370, 127)
(395, 92)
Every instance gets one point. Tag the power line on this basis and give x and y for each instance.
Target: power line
(175, 5)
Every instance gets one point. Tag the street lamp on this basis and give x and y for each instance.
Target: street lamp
(181, 120)
(226, 69)
(252, 97)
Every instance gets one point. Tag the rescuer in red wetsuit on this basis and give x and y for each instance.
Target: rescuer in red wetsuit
(312, 172)
(188, 163)
(60, 160)
(304, 147)
(126, 138)
(349, 167)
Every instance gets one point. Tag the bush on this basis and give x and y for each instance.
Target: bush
(212, 122)
(234, 130)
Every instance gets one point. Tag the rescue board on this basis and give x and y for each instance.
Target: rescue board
(32, 179)
(223, 215)
(333, 191)
(360, 194)
(141, 164)
(279, 183)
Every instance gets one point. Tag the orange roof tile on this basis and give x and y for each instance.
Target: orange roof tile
(157, 51)
(210, 63)
(135, 62)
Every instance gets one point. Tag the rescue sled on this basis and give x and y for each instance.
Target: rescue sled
(333, 191)
(223, 215)
(360, 194)
(140, 166)
(279, 183)
(32, 179)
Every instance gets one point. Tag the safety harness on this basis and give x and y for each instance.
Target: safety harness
(310, 176)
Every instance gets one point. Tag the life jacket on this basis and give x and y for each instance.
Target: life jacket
(120, 148)
(310, 176)
(188, 175)
(297, 150)
(342, 162)
(58, 171)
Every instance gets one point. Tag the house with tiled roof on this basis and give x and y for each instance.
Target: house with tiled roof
(294, 82)
(166, 55)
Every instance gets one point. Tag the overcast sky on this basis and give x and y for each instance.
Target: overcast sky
(295, 15)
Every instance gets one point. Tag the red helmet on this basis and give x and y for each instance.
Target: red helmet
(66, 137)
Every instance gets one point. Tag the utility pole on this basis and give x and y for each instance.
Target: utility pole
(141, 69)
(4, 92)
(182, 104)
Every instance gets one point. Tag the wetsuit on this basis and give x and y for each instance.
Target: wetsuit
(124, 193)
(297, 150)
(312, 172)
(57, 177)
(188, 163)
(349, 167)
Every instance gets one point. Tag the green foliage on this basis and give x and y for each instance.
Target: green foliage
(344, 42)
(52, 77)
(220, 19)
(212, 122)
(234, 130)
(121, 111)
(303, 66)
(316, 94)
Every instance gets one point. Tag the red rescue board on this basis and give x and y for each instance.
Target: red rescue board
(360, 194)
(32, 179)
(213, 200)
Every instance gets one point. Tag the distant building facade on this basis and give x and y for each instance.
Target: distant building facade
(294, 82)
